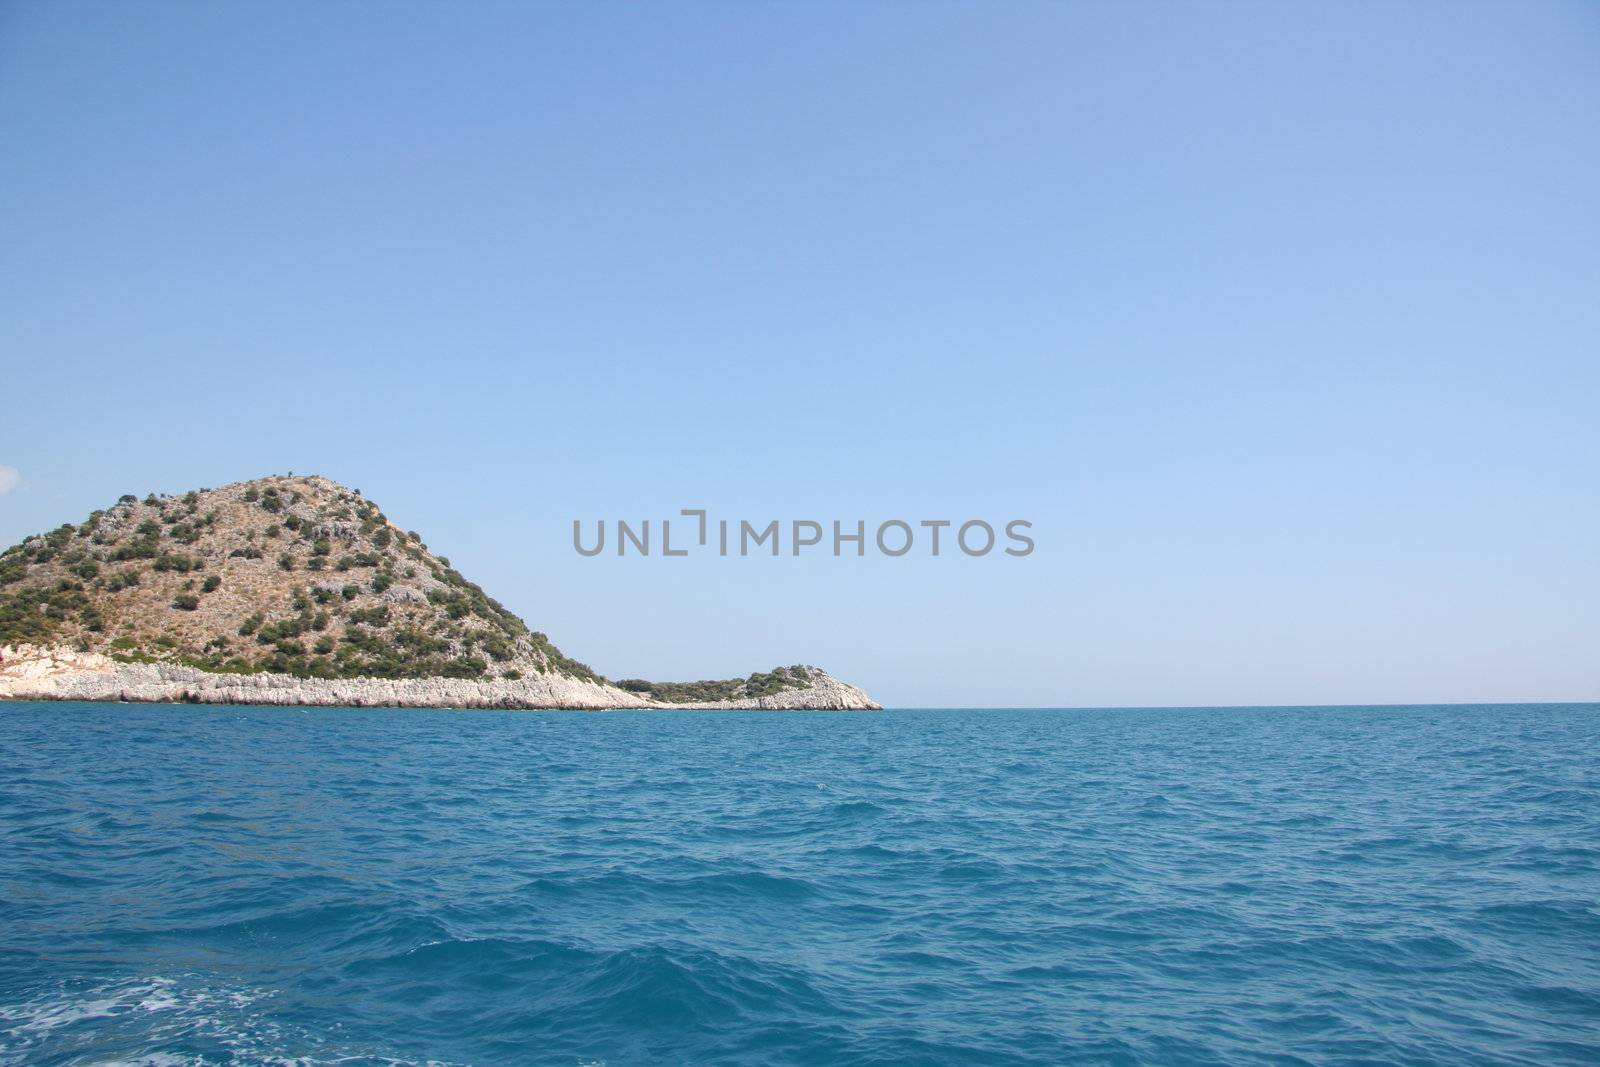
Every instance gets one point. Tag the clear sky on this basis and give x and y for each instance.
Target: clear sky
(1281, 323)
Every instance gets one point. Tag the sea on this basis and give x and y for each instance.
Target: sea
(1416, 885)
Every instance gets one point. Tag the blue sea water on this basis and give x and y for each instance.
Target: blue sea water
(1289, 885)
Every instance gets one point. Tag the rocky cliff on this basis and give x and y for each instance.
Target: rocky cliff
(31, 672)
(299, 591)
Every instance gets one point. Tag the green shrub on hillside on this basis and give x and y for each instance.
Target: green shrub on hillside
(494, 644)
(31, 613)
(377, 616)
(144, 547)
(562, 664)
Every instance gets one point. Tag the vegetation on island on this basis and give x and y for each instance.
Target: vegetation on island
(707, 692)
(296, 575)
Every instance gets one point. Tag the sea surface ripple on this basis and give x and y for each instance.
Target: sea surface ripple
(1289, 885)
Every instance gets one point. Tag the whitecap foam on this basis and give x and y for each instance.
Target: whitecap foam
(141, 1015)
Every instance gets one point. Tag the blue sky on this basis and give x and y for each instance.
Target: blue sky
(1280, 323)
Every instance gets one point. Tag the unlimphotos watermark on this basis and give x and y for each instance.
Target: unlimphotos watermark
(727, 537)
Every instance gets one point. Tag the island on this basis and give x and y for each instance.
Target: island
(299, 591)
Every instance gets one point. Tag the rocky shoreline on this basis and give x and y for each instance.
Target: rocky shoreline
(29, 672)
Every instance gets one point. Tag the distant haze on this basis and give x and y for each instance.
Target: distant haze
(1278, 322)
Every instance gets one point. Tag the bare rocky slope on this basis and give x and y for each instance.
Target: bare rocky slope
(296, 590)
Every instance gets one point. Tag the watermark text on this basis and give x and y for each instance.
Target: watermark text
(694, 532)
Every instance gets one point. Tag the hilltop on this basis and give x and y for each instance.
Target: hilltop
(298, 585)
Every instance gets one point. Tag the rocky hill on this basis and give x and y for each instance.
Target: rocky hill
(298, 590)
